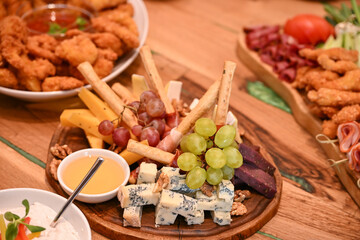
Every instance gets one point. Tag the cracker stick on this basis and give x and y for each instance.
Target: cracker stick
(108, 95)
(224, 93)
(150, 152)
(155, 82)
(123, 93)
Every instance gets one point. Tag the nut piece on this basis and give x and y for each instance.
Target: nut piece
(54, 164)
(238, 209)
(207, 189)
(161, 183)
(241, 195)
(181, 107)
(60, 151)
(134, 175)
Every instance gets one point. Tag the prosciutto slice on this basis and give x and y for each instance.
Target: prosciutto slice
(348, 135)
(354, 158)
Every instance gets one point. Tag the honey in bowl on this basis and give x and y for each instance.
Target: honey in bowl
(108, 177)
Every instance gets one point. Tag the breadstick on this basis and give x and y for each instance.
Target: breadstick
(150, 152)
(123, 93)
(206, 102)
(224, 93)
(155, 81)
(108, 95)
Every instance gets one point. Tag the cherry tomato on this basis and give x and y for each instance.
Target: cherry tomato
(308, 28)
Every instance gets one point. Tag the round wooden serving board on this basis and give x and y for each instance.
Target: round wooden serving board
(106, 218)
(300, 112)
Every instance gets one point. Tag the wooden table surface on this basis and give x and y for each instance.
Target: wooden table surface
(191, 40)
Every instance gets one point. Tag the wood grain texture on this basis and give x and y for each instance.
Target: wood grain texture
(190, 40)
(300, 111)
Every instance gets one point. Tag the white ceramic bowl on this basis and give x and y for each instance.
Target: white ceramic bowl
(142, 21)
(11, 198)
(93, 198)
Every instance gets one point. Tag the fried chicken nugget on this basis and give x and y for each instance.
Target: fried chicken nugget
(103, 24)
(350, 81)
(43, 46)
(60, 83)
(346, 114)
(125, 8)
(104, 64)
(15, 27)
(333, 97)
(8, 79)
(103, 4)
(12, 50)
(77, 50)
(333, 53)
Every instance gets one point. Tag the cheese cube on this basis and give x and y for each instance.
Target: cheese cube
(178, 203)
(198, 218)
(178, 184)
(163, 216)
(170, 171)
(225, 190)
(132, 216)
(137, 195)
(194, 103)
(173, 89)
(221, 218)
(147, 173)
(212, 203)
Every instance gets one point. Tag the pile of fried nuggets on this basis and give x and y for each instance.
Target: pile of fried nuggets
(44, 63)
(332, 90)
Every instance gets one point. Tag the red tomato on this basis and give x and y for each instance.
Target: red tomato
(308, 28)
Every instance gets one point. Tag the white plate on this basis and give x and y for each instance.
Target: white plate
(12, 198)
(142, 21)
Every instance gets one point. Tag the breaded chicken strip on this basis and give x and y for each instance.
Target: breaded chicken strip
(77, 50)
(339, 66)
(306, 75)
(8, 79)
(103, 24)
(60, 83)
(333, 97)
(346, 114)
(350, 82)
(333, 53)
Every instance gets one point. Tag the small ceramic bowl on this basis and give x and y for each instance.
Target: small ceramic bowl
(93, 198)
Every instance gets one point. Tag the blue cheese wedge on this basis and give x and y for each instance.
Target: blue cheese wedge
(163, 216)
(147, 173)
(197, 218)
(132, 216)
(170, 171)
(178, 203)
(137, 195)
(212, 203)
(225, 190)
(177, 183)
(221, 218)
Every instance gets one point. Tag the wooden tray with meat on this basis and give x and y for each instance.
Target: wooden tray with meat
(201, 177)
(317, 96)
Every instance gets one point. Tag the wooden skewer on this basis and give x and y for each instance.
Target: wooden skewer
(107, 94)
(123, 92)
(224, 93)
(150, 152)
(155, 82)
(205, 103)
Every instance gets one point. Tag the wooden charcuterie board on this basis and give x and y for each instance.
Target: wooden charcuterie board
(300, 112)
(106, 218)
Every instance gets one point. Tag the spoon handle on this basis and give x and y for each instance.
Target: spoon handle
(82, 184)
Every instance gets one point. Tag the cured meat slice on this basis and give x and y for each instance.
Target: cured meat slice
(348, 134)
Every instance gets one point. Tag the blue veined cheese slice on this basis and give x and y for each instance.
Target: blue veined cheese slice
(147, 173)
(132, 216)
(163, 216)
(170, 171)
(221, 218)
(178, 203)
(212, 203)
(198, 218)
(177, 183)
(137, 195)
(225, 190)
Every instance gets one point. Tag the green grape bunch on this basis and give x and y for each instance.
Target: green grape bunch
(209, 154)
